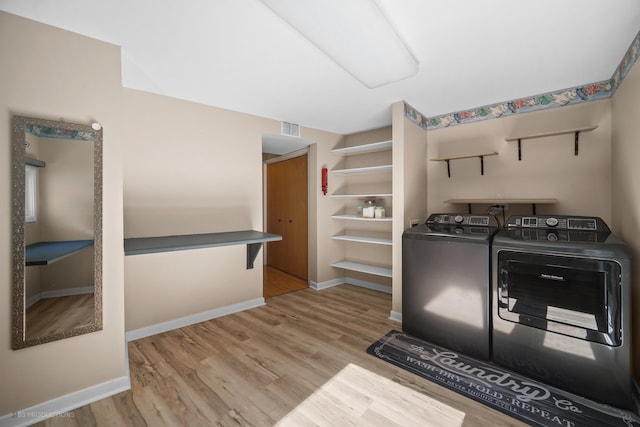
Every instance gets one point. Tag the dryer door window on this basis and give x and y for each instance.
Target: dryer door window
(571, 296)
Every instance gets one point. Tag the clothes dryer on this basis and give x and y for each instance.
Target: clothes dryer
(561, 305)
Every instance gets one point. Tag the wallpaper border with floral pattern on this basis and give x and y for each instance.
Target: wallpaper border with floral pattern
(560, 98)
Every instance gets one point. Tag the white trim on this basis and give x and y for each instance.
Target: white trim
(292, 155)
(58, 293)
(192, 319)
(369, 285)
(328, 284)
(395, 316)
(350, 281)
(67, 292)
(63, 404)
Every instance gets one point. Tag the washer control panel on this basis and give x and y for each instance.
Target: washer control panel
(462, 219)
(579, 223)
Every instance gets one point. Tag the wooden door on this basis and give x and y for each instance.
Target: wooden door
(287, 215)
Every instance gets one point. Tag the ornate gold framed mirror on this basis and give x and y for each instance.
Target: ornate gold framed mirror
(56, 230)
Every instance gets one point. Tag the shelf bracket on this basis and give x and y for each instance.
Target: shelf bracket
(448, 168)
(519, 148)
(575, 143)
(481, 165)
(252, 253)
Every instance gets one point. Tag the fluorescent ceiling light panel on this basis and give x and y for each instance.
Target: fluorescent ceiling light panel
(355, 34)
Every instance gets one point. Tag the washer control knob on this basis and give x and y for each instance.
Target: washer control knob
(552, 222)
(458, 219)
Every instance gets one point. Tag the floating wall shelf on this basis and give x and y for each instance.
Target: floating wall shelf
(34, 162)
(150, 245)
(45, 253)
(575, 131)
(448, 159)
(362, 149)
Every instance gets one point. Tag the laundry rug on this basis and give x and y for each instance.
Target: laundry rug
(515, 395)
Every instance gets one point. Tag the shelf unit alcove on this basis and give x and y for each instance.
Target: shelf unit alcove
(574, 131)
(481, 156)
(363, 236)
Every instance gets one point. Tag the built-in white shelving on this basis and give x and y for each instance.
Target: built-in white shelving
(363, 239)
(362, 149)
(361, 196)
(363, 268)
(360, 218)
(367, 169)
(360, 235)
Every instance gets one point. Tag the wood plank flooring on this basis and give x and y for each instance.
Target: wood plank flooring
(300, 360)
(277, 282)
(53, 315)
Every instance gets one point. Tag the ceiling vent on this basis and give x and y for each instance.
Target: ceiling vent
(290, 129)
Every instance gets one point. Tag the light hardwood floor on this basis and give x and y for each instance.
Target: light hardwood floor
(277, 282)
(300, 360)
(53, 315)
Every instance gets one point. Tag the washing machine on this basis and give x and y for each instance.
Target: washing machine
(446, 282)
(561, 305)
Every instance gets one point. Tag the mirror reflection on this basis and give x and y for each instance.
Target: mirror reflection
(57, 188)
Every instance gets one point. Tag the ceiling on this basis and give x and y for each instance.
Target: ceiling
(239, 55)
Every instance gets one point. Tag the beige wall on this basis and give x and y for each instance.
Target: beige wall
(549, 169)
(51, 73)
(626, 184)
(322, 249)
(188, 169)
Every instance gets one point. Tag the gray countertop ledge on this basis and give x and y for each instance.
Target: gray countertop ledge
(149, 245)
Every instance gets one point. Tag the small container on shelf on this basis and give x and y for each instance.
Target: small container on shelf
(359, 209)
(379, 212)
(368, 211)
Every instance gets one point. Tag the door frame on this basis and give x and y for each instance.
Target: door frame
(282, 158)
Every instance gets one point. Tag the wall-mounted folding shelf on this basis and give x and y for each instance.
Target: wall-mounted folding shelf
(150, 245)
(45, 253)
(575, 131)
(481, 156)
(34, 162)
(362, 149)
(502, 201)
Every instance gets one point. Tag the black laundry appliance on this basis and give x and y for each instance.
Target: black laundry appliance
(446, 281)
(561, 305)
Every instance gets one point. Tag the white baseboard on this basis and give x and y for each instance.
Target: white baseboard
(192, 319)
(368, 285)
(61, 406)
(395, 316)
(328, 284)
(58, 293)
(351, 281)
